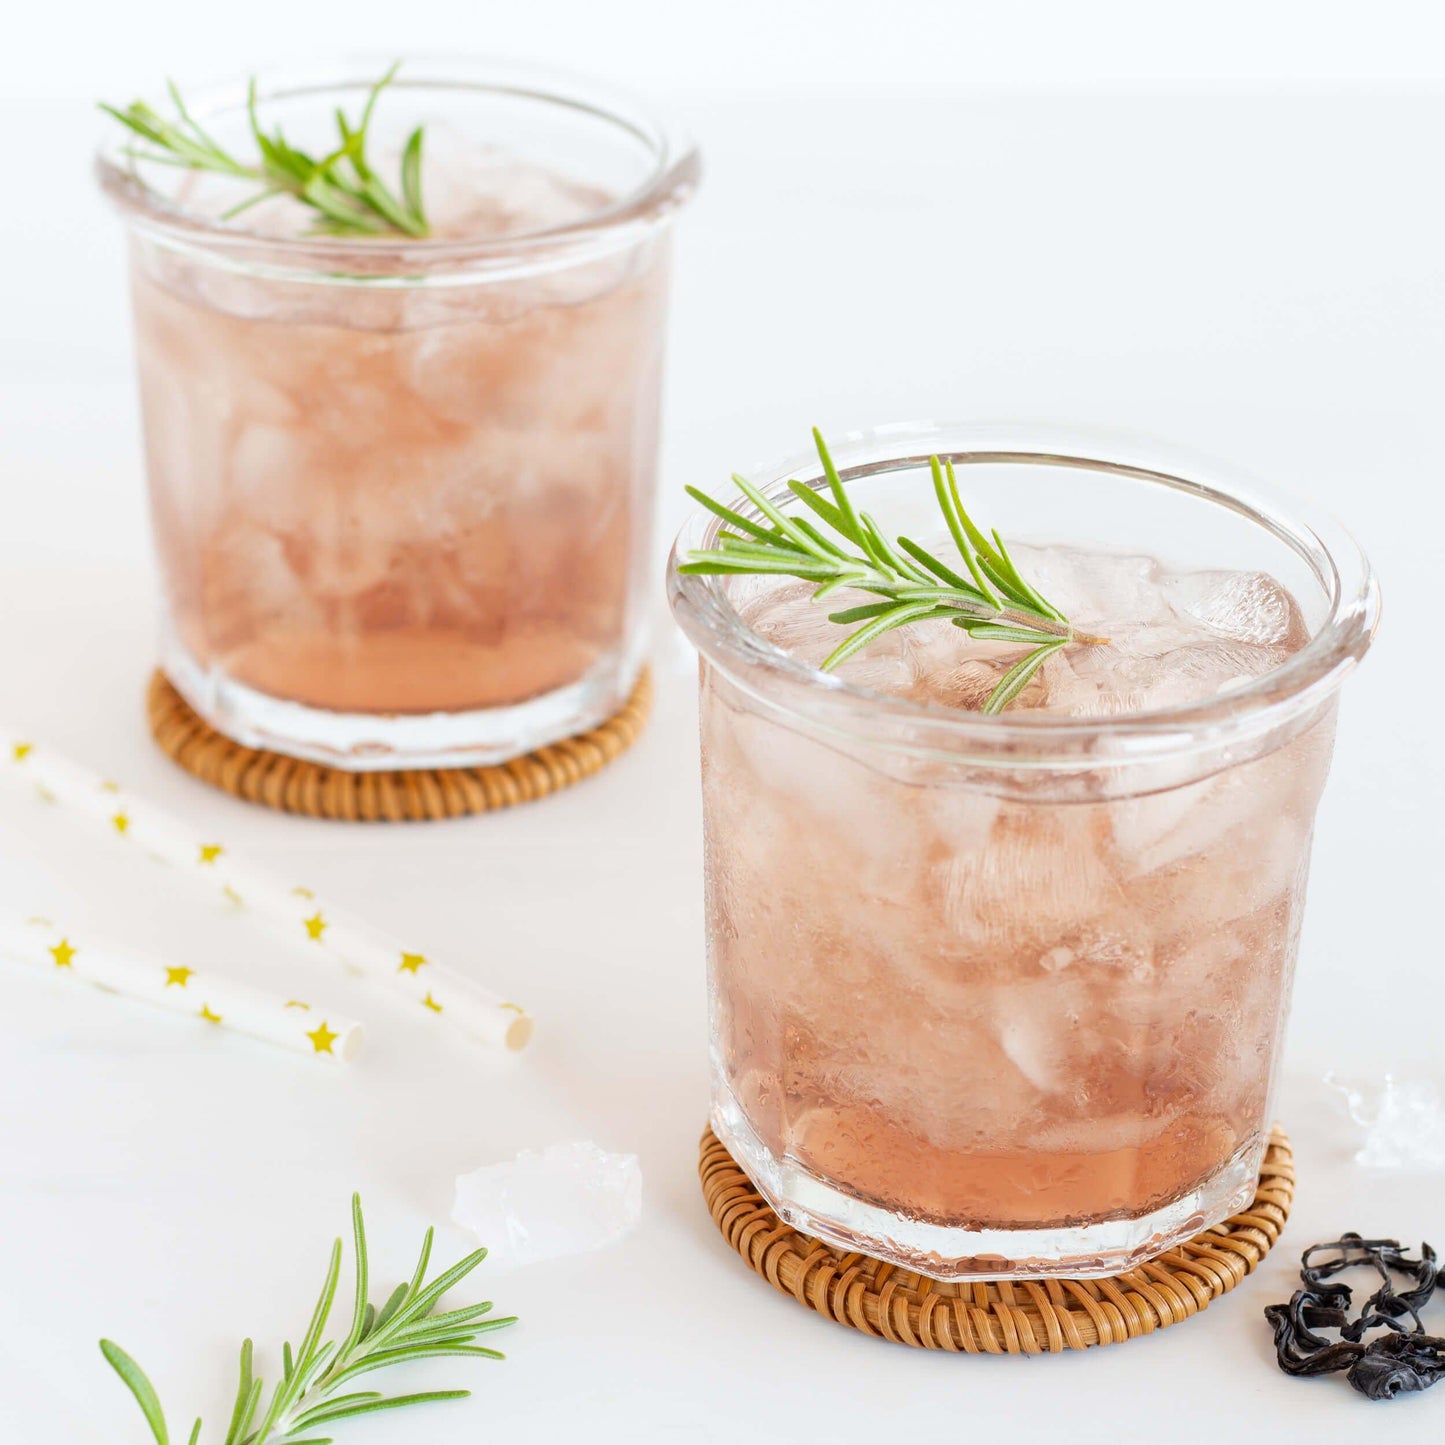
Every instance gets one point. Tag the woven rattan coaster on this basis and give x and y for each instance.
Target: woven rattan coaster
(1030, 1317)
(408, 795)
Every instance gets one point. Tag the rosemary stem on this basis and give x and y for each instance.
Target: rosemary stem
(1036, 623)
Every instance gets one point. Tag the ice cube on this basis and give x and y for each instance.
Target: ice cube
(1095, 586)
(781, 787)
(888, 670)
(1057, 860)
(788, 617)
(268, 470)
(1403, 1120)
(1248, 801)
(571, 1198)
(1140, 824)
(1156, 666)
(1258, 865)
(1249, 607)
(1210, 667)
(553, 370)
(1032, 1049)
(968, 686)
(479, 191)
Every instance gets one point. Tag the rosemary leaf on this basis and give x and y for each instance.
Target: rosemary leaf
(391, 1306)
(369, 1407)
(825, 509)
(939, 570)
(140, 1387)
(245, 1405)
(994, 632)
(859, 614)
(857, 641)
(732, 518)
(1013, 682)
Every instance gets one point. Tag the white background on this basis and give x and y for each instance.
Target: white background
(1220, 223)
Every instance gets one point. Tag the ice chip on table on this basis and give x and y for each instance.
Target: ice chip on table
(571, 1198)
(1403, 1122)
(1175, 637)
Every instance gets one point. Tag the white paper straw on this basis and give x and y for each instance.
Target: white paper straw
(289, 1023)
(297, 911)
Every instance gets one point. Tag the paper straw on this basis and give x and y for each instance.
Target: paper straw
(297, 911)
(288, 1023)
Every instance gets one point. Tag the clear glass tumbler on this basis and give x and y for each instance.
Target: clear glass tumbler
(402, 490)
(1000, 996)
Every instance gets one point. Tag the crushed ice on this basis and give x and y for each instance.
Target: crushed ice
(1403, 1122)
(569, 1199)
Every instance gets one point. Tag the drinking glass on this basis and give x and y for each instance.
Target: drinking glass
(1001, 996)
(402, 489)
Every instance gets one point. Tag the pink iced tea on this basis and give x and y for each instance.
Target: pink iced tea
(437, 512)
(402, 491)
(976, 1010)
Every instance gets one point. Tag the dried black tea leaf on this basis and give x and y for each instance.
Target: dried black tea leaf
(1397, 1364)
(1402, 1359)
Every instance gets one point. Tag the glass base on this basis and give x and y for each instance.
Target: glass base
(1085, 1251)
(381, 742)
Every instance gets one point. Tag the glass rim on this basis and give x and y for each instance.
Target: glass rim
(1337, 562)
(670, 181)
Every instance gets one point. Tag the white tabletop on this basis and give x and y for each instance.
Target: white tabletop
(1258, 276)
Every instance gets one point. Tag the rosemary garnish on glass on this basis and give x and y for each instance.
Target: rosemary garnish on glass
(993, 603)
(341, 186)
(306, 1400)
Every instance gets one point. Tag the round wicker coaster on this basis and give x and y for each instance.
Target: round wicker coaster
(407, 795)
(1004, 1317)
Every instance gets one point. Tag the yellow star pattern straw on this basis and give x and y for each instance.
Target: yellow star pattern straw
(322, 1038)
(220, 1002)
(299, 914)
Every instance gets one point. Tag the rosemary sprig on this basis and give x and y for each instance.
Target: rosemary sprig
(993, 602)
(341, 186)
(306, 1400)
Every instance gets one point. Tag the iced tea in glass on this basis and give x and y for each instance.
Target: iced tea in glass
(998, 996)
(402, 488)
